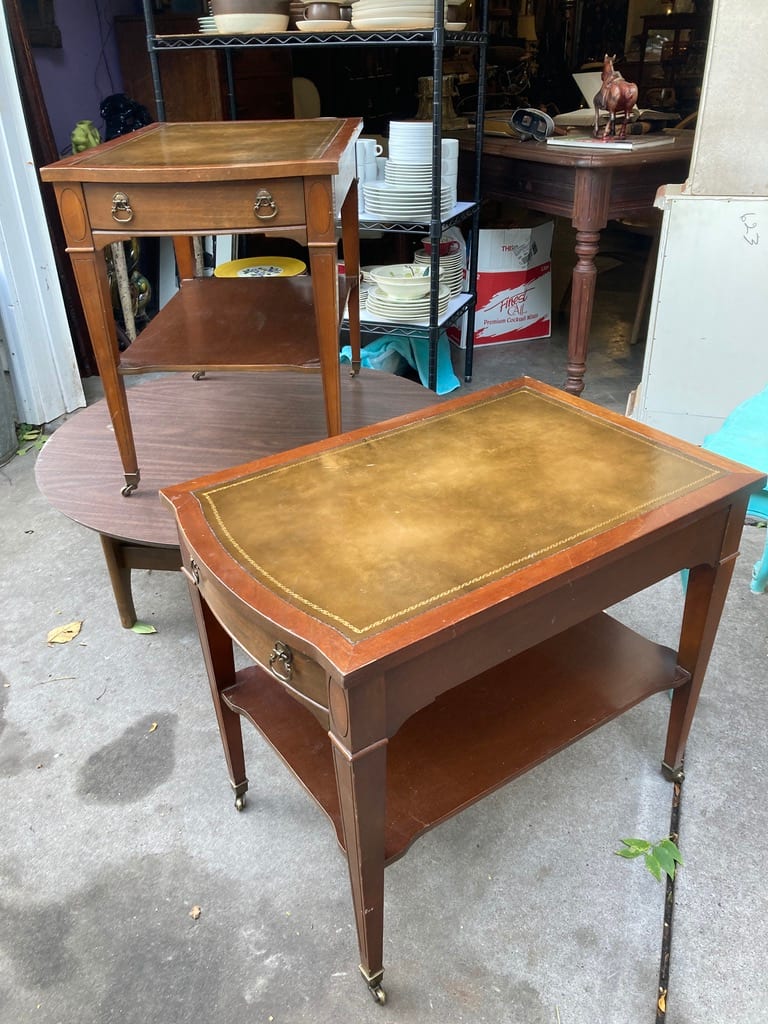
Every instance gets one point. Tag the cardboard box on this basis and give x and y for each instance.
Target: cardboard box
(514, 284)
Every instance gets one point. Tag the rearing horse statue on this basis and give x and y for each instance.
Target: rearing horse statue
(616, 96)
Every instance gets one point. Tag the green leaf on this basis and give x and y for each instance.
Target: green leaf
(641, 845)
(143, 627)
(653, 866)
(665, 859)
(672, 849)
(629, 854)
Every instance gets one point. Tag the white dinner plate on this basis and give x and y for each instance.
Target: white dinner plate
(391, 24)
(322, 26)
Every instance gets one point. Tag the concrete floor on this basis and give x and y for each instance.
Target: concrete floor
(515, 911)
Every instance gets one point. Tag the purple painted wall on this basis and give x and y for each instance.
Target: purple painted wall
(77, 77)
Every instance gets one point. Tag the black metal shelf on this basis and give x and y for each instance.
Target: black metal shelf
(221, 41)
(437, 39)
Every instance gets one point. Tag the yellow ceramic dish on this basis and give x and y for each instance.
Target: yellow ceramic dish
(262, 266)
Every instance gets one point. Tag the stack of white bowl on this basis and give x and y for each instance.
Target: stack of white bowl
(400, 292)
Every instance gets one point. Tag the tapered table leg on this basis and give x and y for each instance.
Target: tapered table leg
(351, 242)
(323, 262)
(220, 666)
(706, 591)
(361, 780)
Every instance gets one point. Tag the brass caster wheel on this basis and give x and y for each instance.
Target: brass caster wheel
(128, 490)
(379, 995)
(672, 774)
(240, 802)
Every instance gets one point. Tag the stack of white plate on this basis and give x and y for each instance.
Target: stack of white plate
(398, 15)
(382, 199)
(451, 269)
(418, 176)
(404, 310)
(245, 24)
(410, 142)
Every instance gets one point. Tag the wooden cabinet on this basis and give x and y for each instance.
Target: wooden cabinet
(204, 85)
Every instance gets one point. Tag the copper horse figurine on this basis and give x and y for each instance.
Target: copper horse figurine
(616, 95)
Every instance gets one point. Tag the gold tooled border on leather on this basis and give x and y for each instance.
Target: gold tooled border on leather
(357, 630)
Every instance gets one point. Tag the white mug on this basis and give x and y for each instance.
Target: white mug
(450, 149)
(367, 150)
(367, 171)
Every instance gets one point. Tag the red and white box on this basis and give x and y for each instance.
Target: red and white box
(514, 284)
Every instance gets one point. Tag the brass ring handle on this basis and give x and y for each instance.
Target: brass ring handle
(281, 662)
(121, 204)
(264, 202)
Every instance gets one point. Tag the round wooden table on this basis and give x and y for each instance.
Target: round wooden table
(187, 428)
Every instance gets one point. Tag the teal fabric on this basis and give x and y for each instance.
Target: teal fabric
(744, 438)
(390, 351)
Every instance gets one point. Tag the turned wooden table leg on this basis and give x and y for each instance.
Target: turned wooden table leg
(582, 301)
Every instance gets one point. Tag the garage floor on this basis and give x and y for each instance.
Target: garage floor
(117, 820)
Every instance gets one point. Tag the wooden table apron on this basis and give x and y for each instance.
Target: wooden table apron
(589, 189)
(367, 693)
(199, 179)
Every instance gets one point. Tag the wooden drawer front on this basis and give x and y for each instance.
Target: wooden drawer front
(196, 208)
(305, 678)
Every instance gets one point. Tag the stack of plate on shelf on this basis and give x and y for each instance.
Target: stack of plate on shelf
(451, 269)
(404, 202)
(420, 176)
(246, 16)
(389, 307)
(410, 142)
(398, 15)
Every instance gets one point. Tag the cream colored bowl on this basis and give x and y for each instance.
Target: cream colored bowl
(402, 280)
(252, 22)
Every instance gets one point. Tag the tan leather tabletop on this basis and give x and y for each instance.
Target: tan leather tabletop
(216, 149)
(368, 534)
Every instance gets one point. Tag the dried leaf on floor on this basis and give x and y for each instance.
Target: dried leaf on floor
(63, 634)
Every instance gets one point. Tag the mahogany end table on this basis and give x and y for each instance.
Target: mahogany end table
(423, 603)
(279, 178)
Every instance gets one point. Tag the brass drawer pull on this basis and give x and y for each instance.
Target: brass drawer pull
(281, 662)
(121, 204)
(264, 203)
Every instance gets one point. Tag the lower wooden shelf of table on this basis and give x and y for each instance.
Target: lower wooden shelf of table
(479, 735)
(232, 324)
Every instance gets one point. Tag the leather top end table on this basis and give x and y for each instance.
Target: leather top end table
(423, 603)
(290, 179)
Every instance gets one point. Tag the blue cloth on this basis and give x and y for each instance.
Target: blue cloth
(389, 352)
(744, 438)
